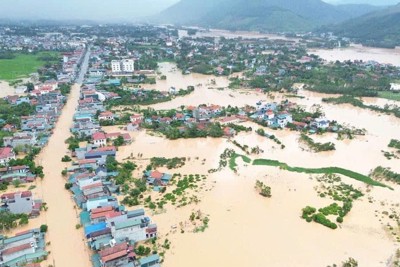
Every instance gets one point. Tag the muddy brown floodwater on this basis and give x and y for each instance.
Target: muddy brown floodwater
(246, 229)
(68, 247)
(359, 52)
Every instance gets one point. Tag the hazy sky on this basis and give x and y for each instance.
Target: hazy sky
(104, 10)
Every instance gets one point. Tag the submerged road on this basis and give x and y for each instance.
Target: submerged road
(67, 245)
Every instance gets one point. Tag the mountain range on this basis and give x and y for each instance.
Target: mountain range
(379, 28)
(261, 15)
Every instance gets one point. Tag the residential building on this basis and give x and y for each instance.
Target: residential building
(6, 154)
(99, 139)
(124, 66)
(21, 202)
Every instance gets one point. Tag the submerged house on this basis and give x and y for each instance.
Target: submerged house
(118, 255)
(6, 154)
(157, 178)
(21, 202)
(26, 247)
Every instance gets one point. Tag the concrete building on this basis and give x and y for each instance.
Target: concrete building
(125, 65)
(19, 202)
(116, 66)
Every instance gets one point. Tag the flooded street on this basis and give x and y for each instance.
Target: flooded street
(67, 244)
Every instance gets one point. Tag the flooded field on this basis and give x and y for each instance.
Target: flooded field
(235, 34)
(244, 228)
(358, 52)
(6, 89)
(243, 225)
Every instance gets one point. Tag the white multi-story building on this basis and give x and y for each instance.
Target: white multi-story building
(125, 65)
(128, 65)
(116, 66)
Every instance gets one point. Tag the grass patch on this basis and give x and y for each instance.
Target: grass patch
(326, 170)
(232, 160)
(315, 146)
(389, 95)
(386, 174)
(22, 65)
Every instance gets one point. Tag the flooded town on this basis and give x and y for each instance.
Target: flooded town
(139, 146)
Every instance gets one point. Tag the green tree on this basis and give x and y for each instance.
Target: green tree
(119, 141)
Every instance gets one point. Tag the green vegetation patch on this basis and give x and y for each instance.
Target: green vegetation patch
(394, 143)
(331, 186)
(382, 173)
(171, 163)
(326, 170)
(232, 160)
(315, 146)
(24, 64)
(263, 189)
(389, 95)
(391, 110)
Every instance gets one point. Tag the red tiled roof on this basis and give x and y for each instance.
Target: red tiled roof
(84, 175)
(20, 167)
(106, 148)
(94, 185)
(103, 209)
(106, 114)
(5, 152)
(12, 195)
(115, 252)
(156, 174)
(99, 136)
(107, 214)
(127, 137)
(86, 161)
(16, 249)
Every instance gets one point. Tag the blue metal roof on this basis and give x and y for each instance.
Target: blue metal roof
(94, 228)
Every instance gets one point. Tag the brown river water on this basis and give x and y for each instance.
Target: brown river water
(244, 229)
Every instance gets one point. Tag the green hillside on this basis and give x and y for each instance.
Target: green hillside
(262, 15)
(380, 28)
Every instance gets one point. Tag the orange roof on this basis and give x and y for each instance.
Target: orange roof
(156, 174)
(103, 209)
(86, 161)
(115, 252)
(106, 148)
(16, 249)
(94, 185)
(99, 136)
(108, 214)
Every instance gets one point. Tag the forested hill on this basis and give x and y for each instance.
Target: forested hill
(262, 15)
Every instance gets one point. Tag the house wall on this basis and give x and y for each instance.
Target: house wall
(10, 257)
(21, 242)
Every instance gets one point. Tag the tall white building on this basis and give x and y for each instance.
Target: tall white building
(125, 65)
(128, 65)
(116, 66)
